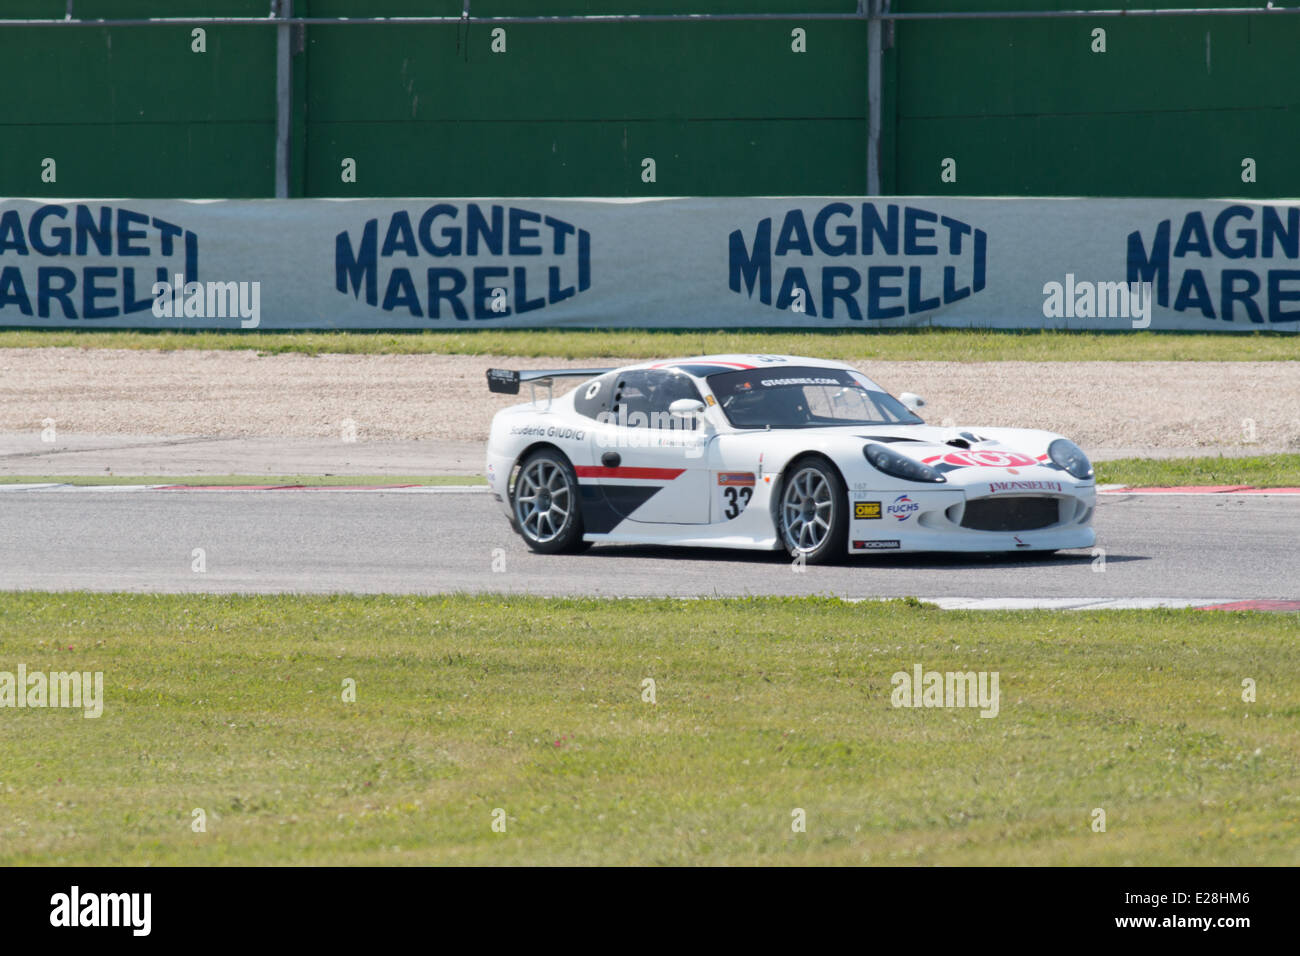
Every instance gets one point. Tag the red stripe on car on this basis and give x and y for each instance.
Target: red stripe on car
(654, 474)
(737, 365)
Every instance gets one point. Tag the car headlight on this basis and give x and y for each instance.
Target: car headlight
(1070, 456)
(883, 458)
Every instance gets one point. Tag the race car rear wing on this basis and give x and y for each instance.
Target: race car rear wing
(507, 380)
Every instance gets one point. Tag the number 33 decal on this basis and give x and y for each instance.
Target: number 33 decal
(735, 500)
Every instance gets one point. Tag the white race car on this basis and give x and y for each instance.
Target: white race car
(769, 452)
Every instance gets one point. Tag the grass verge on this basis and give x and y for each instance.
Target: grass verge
(466, 705)
(938, 345)
(1265, 471)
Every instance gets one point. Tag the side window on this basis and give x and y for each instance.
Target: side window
(593, 397)
(630, 404)
(642, 398)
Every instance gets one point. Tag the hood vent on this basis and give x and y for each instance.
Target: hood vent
(965, 440)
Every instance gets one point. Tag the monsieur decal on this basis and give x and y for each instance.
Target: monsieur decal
(462, 261)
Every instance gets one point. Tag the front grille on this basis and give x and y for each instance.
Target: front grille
(1011, 514)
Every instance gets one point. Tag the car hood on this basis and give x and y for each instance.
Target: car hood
(967, 455)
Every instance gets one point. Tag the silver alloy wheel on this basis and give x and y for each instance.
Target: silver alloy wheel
(543, 500)
(806, 510)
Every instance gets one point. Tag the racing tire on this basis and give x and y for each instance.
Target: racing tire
(813, 512)
(545, 503)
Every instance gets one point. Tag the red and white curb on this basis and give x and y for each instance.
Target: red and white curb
(1196, 490)
(1109, 604)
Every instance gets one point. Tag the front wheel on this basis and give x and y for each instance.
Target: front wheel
(814, 513)
(545, 503)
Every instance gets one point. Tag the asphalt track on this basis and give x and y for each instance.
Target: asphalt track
(1157, 549)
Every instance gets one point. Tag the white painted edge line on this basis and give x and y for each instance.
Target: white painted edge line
(76, 488)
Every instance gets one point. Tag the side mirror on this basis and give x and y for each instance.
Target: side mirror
(689, 412)
(912, 401)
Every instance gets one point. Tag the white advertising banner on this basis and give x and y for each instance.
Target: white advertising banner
(724, 263)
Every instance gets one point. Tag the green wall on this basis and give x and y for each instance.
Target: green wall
(1026, 108)
(1023, 107)
(572, 110)
(132, 112)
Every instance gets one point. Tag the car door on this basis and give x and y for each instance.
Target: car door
(651, 467)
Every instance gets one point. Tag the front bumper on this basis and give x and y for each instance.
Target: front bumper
(938, 520)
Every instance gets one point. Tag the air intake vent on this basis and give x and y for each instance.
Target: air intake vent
(1011, 514)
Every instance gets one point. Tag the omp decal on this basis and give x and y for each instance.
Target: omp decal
(644, 474)
(866, 510)
(735, 478)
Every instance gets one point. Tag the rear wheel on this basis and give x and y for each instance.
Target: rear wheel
(813, 514)
(545, 503)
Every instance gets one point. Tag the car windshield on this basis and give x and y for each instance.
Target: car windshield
(801, 397)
